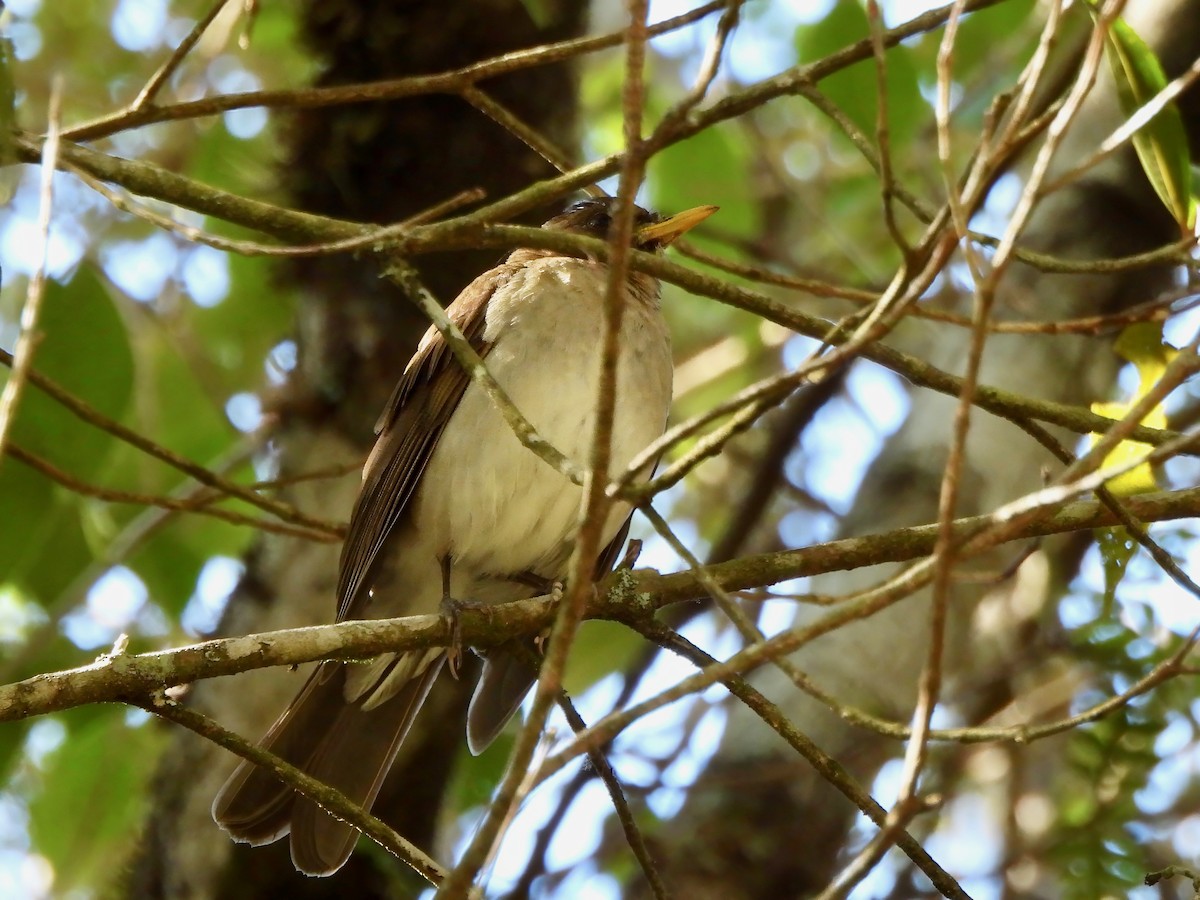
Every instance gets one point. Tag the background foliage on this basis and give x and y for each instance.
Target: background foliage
(198, 349)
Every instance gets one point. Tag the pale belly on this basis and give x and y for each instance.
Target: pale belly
(494, 505)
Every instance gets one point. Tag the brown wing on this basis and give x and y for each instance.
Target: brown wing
(409, 428)
(611, 554)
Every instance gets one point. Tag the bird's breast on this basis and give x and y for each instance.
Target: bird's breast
(488, 500)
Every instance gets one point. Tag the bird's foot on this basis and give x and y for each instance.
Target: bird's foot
(451, 608)
(539, 640)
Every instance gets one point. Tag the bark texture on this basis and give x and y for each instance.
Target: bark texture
(377, 162)
(768, 825)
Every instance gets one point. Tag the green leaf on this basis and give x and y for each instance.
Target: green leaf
(975, 44)
(8, 97)
(1161, 144)
(92, 797)
(30, 514)
(540, 11)
(9, 175)
(855, 89)
(85, 348)
(1116, 548)
(707, 168)
(601, 649)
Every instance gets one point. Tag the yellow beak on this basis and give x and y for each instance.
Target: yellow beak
(669, 229)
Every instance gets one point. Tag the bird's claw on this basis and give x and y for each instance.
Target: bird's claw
(539, 640)
(450, 609)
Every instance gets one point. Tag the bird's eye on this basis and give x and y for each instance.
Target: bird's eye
(600, 223)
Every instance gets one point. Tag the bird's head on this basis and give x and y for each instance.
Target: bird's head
(651, 232)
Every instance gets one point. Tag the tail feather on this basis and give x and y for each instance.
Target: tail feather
(503, 684)
(253, 805)
(354, 757)
(337, 743)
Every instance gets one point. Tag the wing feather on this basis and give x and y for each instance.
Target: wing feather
(409, 428)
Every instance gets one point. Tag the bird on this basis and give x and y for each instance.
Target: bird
(453, 508)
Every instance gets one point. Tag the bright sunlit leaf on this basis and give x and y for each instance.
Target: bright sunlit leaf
(1161, 143)
(1141, 344)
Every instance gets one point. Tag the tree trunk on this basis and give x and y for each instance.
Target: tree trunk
(377, 162)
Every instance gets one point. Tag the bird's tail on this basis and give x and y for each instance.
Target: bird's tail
(503, 684)
(336, 742)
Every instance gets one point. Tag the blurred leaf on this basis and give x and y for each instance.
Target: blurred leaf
(279, 47)
(708, 168)
(855, 89)
(93, 794)
(62, 555)
(1141, 344)
(8, 97)
(85, 348)
(9, 174)
(1116, 548)
(177, 410)
(217, 157)
(601, 649)
(540, 11)
(476, 777)
(12, 739)
(1161, 144)
(30, 513)
(237, 333)
(979, 31)
(170, 562)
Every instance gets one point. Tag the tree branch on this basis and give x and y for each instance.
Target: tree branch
(623, 596)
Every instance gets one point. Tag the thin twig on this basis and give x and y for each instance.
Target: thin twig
(1125, 132)
(406, 277)
(125, 676)
(92, 416)
(329, 799)
(930, 680)
(444, 83)
(530, 136)
(887, 178)
(710, 65)
(145, 97)
(616, 794)
(370, 237)
(27, 339)
(201, 505)
(118, 549)
(596, 501)
(826, 766)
